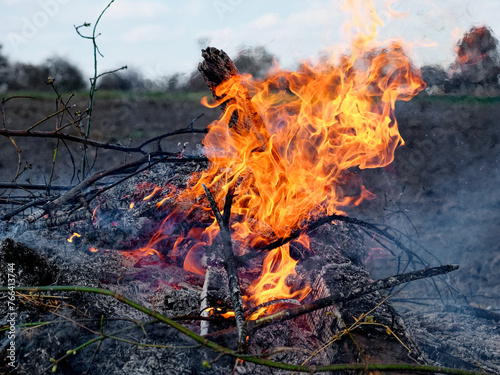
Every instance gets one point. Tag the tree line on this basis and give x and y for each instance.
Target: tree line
(476, 66)
(20, 76)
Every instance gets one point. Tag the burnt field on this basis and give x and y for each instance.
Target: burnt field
(441, 190)
(439, 196)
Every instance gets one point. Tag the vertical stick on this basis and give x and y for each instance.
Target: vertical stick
(229, 259)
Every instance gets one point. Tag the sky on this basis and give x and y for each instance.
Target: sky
(161, 38)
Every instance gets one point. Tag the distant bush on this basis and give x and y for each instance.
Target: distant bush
(254, 60)
(67, 76)
(434, 75)
(4, 71)
(30, 77)
(22, 76)
(129, 80)
(477, 62)
(476, 69)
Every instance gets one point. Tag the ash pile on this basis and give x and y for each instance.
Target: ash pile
(76, 332)
(52, 324)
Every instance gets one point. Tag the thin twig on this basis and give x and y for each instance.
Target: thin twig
(318, 223)
(89, 142)
(93, 83)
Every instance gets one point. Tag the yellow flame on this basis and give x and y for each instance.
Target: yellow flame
(73, 236)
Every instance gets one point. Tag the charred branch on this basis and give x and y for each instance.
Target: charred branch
(80, 189)
(218, 68)
(229, 259)
(89, 142)
(351, 294)
(318, 223)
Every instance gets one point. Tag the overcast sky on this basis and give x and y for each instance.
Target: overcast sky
(164, 37)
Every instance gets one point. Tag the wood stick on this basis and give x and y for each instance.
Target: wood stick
(315, 225)
(343, 296)
(89, 142)
(229, 260)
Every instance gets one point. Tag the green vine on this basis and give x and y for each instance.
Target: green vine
(226, 351)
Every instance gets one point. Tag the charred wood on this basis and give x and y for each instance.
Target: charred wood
(218, 69)
(229, 259)
(350, 294)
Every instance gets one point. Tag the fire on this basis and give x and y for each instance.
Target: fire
(277, 267)
(93, 249)
(218, 311)
(73, 236)
(318, 123)
(152, 194)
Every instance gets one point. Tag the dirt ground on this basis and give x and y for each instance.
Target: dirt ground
(441, 193)
(127, 121)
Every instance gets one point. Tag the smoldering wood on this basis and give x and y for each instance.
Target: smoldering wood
(229, 259)
(350, 294)
(72, 217)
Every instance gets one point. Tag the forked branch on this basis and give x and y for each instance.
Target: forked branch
(229, 259)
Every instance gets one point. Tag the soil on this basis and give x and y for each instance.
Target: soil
(123, 120)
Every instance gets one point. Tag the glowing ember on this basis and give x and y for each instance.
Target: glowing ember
(131, 205)
(73, 236)
(318, 123)
(93, 249)
(218, 311)
(94, 217)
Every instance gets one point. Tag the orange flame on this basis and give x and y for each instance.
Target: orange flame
(218, 311)
(318, 123)
(93, 249)
(152, 194)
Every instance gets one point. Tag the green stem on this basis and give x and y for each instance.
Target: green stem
(93, 83)
(249, 358)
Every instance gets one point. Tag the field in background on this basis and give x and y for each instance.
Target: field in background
(118, 117)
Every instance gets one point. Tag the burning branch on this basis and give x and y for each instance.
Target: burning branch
(221, 76)
(229, 259)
